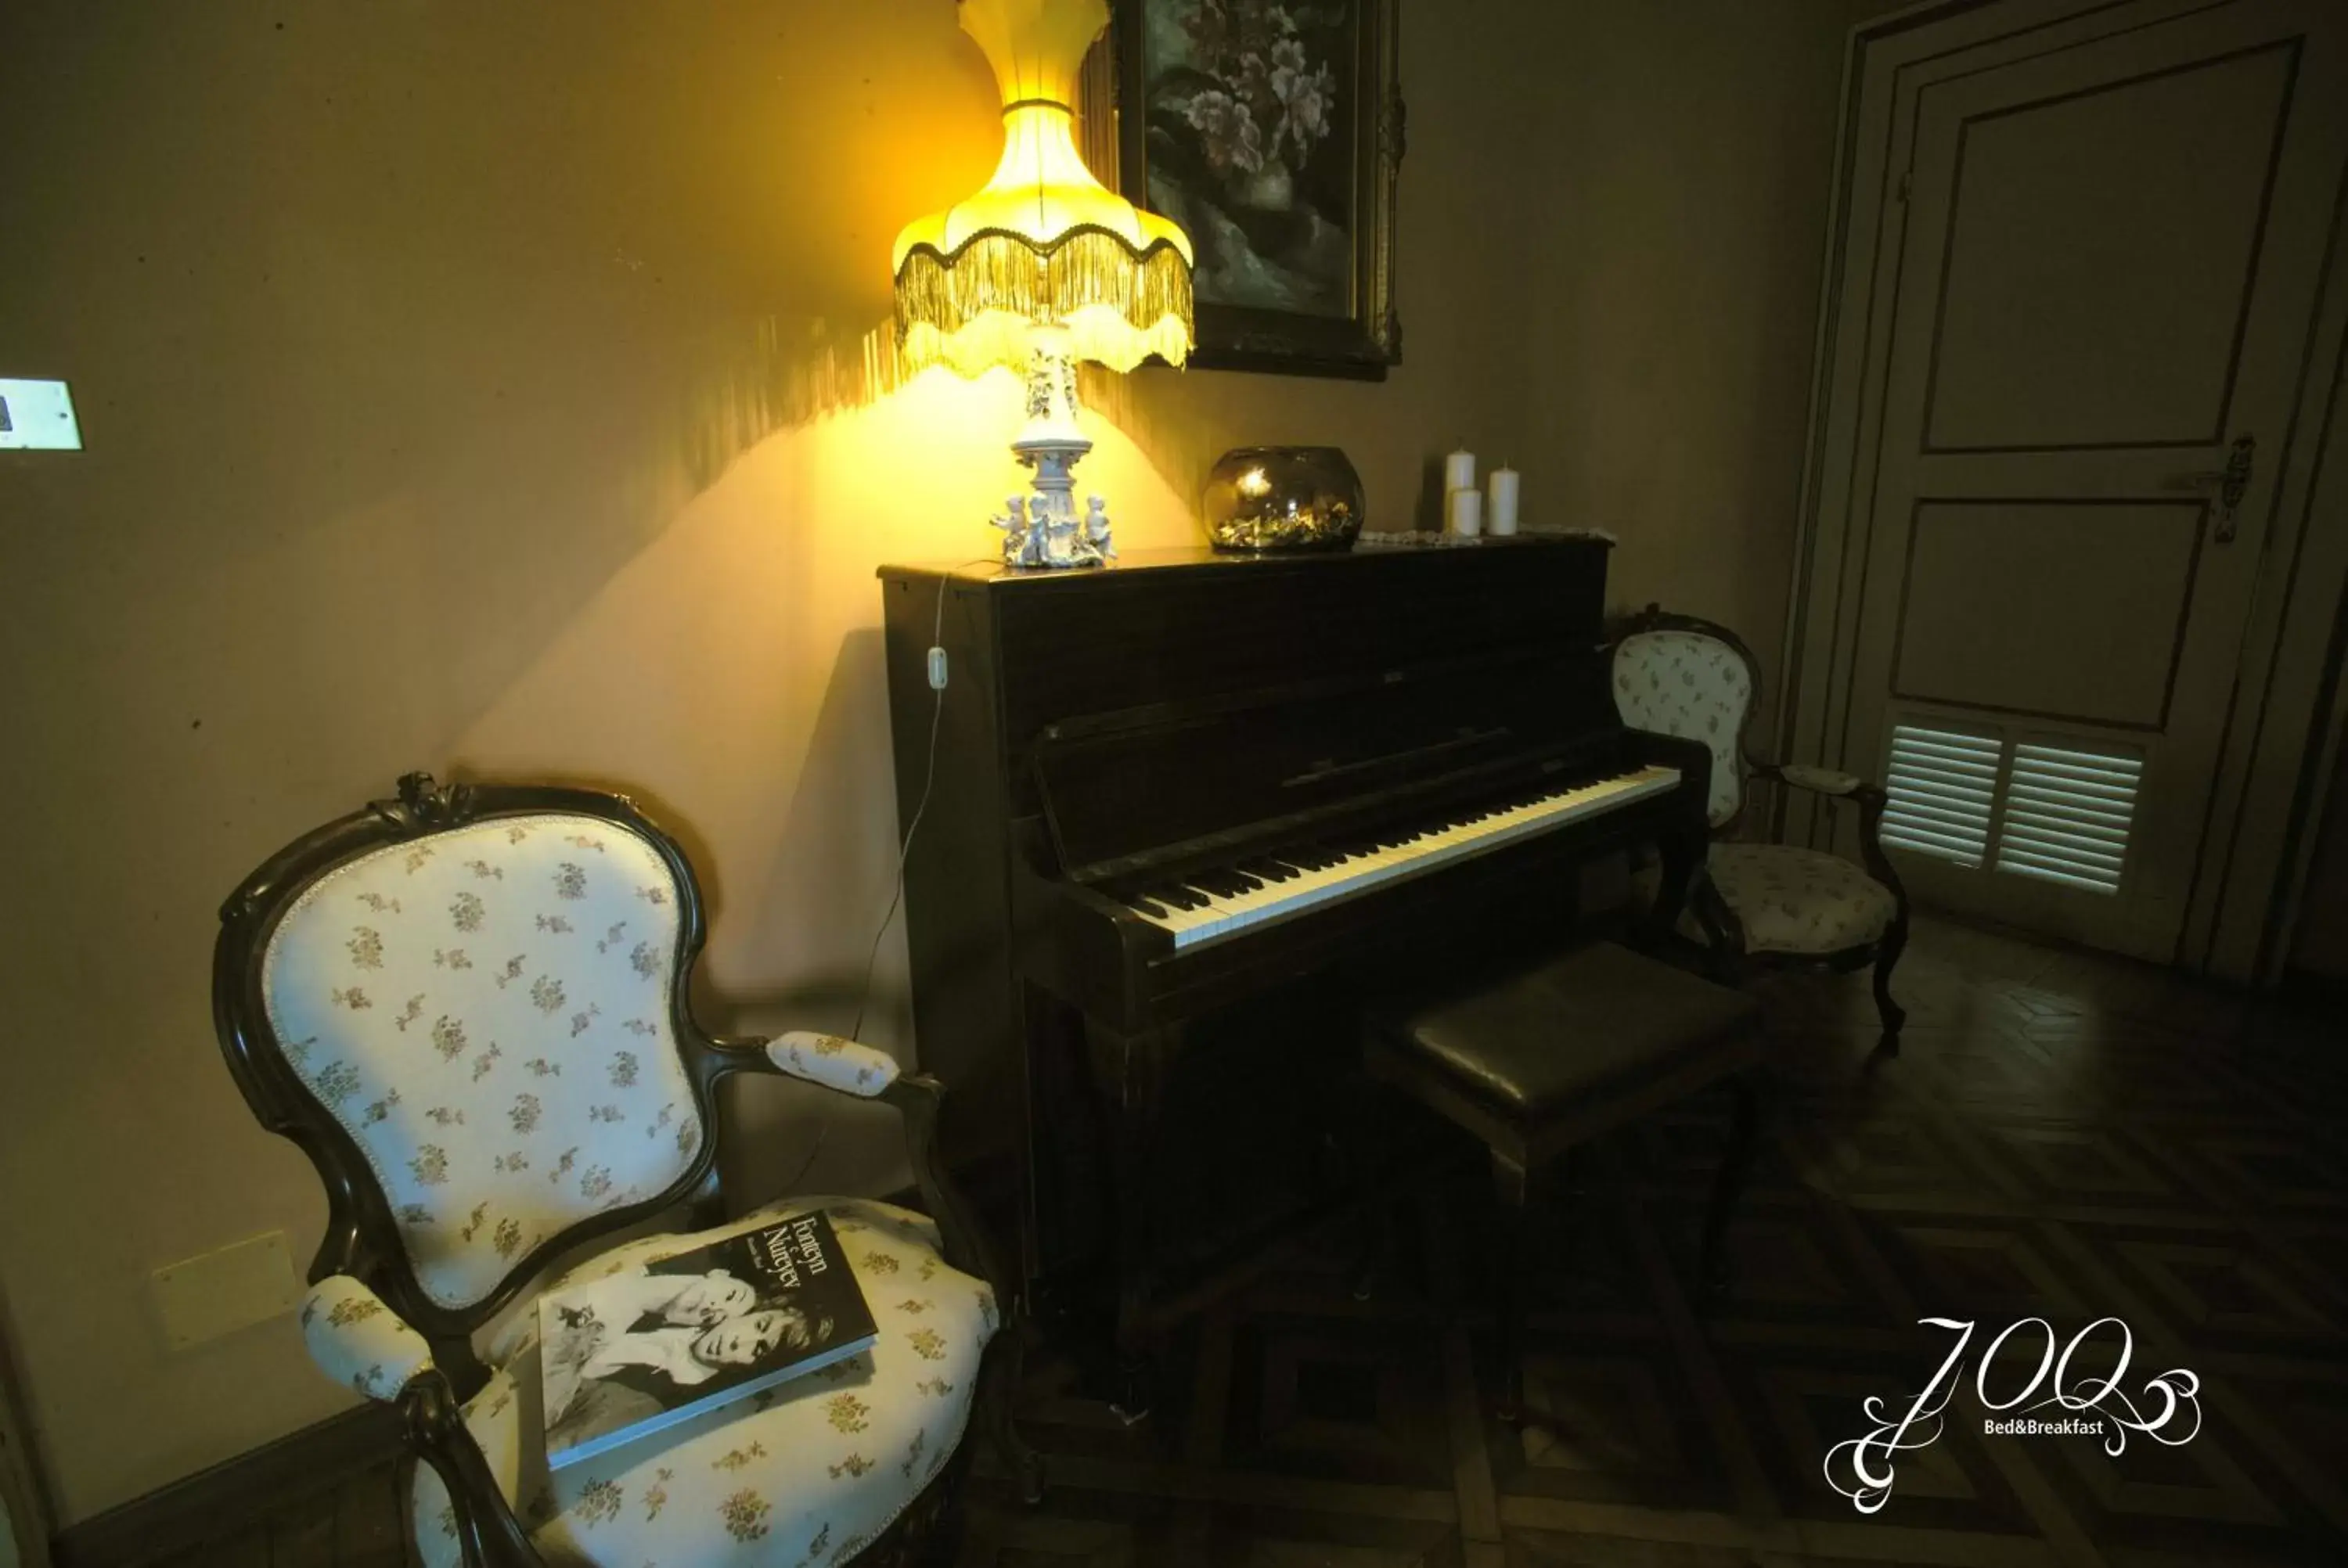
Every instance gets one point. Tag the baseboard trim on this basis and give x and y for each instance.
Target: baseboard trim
(233, 1495)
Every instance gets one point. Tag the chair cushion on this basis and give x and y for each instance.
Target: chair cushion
(1599, 1021)
(807, 1472)
(1793, 900)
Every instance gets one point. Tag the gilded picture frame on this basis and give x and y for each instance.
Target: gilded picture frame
(1273, 131)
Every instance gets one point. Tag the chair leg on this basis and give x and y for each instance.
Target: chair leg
(1895, 941)
(1712, 1265)
(1511, 1187)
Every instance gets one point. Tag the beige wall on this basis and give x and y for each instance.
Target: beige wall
(451, 377)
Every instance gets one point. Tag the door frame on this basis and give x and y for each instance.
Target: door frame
(2289, 708)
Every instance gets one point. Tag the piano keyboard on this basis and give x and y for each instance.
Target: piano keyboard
(1274, 886)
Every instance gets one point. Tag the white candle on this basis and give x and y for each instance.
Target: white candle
(1459, 471)
(1503, 515)
(1466, 513)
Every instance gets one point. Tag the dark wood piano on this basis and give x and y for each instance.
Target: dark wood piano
(1178, 794)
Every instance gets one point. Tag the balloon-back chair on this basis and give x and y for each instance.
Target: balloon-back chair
(467, 1006)
(1777, 905)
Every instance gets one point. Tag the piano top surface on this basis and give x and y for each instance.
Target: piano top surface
(1201, 559)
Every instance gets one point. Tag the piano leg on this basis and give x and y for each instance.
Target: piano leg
(1679, 863)
(1686, 885)
(1130, 1076)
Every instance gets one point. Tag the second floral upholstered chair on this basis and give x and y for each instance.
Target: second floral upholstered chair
(468, 1006)
(1785, 905)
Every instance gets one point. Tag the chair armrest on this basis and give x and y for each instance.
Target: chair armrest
(1818, 780)
(358, 1341)
(834, 1061)
(830, 1061)
(963, 1242)
(1872, 802)
(488, 1532)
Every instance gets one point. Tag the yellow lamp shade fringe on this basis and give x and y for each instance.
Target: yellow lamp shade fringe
(976, 310)
(1044, 242)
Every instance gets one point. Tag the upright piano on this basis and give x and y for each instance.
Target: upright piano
(1157, 797)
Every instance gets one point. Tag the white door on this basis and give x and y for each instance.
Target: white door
(2109, 275)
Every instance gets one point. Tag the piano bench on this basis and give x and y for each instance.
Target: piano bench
(1545, 1058)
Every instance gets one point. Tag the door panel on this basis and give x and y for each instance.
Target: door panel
(2083, 304)
(2105, 283)
(2092, 600)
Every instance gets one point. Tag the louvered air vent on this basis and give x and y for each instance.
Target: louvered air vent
(2067, 813)
(1942, 784)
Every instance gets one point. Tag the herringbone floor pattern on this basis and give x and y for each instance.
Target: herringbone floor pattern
(2060, 1136)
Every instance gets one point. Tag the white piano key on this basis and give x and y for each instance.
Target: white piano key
(1437, 844)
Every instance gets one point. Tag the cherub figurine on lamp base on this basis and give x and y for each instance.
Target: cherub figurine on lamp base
(1042, 528)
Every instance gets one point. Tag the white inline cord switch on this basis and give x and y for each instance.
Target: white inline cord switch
(937, 668)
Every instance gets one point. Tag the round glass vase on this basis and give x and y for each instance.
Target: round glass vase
(1263, 498)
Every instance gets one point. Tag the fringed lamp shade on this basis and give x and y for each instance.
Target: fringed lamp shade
(1044, 244)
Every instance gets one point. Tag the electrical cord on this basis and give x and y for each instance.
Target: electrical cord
(904, 847)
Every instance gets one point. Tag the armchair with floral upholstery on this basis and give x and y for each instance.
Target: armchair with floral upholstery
(1774, 903)
(467, 1006)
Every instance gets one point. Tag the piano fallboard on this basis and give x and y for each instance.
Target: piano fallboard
(1086, 945)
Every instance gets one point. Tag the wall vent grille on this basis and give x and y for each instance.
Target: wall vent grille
(2066, 816)
(1942, 790)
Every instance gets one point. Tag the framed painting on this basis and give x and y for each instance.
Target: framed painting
(1272, 130)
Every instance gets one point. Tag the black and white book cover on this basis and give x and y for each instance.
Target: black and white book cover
(638, 1351)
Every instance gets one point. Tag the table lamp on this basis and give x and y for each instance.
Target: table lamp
(1043, 268)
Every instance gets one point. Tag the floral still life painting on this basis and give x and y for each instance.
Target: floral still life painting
(1270, 129)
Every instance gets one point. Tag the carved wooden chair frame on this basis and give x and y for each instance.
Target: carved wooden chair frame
(1731, 958)
(362, 1240)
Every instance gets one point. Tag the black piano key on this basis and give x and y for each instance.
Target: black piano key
(1221, 883)
(1270, 870)
(1147, 906)
(1177, 895)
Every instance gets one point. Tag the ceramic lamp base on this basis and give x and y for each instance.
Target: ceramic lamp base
(1042, 529)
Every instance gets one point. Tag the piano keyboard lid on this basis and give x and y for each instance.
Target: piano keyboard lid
(1121, 800)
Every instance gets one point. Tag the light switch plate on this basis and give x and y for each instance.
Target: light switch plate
(37, 416)
(244, 1282)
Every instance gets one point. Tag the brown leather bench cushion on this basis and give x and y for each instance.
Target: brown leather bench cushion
(1601, 1021)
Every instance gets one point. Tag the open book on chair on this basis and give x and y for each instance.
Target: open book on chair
(638, 1351)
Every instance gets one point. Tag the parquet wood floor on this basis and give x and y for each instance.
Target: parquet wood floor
(2060, 1135)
